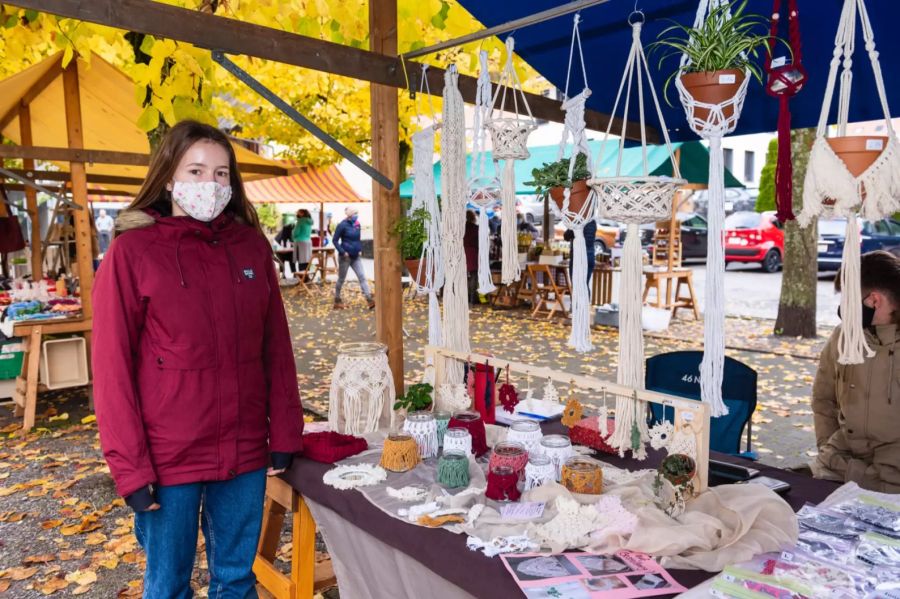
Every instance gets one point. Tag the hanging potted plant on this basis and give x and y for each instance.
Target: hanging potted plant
(553, 178)
(720, 51)
(411, 235)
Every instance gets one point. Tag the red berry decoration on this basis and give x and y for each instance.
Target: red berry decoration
(509, 398)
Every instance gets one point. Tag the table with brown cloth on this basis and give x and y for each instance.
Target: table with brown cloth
(445, 554)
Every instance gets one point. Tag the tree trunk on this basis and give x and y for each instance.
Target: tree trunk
(797, 305)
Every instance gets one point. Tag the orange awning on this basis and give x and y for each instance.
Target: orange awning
(311, 186)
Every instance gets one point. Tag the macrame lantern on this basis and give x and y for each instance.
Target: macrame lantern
(851, 174)
(453, 222)
(575, 206)
(362, 390)
(712, 102)
(430, 276)
(484, 191)
(509, 136)
(786, 78)
(634, 201)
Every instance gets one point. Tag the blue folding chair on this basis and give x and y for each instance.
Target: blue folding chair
(678, 373)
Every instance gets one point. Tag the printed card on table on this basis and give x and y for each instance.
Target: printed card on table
(622, 575)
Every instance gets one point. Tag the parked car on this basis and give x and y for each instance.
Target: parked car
(754, 237)
(693, 235)
(881, 234)
(737, 199)
(531, 207)
(607, 235)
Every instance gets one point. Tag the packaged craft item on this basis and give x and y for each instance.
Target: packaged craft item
(453, 469)
(811, 518)
(509, 454)
(538, 471)
(878, 550)
(502, 484)
(836, 549)
(582, 475)
(400, 453)
(558, 448)
(443, 421)
(458, 439)
(526, 432)
(423, 428)
(330, 447)
(882, 515)
(821, 578)
(472, 422)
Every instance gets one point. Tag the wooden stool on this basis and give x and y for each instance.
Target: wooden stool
(666, 301)
(304, 578)
(601, 289)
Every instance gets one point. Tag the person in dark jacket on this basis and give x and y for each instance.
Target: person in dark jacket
(346, 240)
(470, 247)
(194, 381)
(590, 239)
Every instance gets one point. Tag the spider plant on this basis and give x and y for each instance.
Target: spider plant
(725, 40)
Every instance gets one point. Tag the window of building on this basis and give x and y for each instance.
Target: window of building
(729, 158)
(749, 166)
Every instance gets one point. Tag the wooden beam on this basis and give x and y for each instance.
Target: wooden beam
(83, 237)
(237, 37)
(37, 268)
(387, 208)
(40, 175)
(110, 157)
(31, 93)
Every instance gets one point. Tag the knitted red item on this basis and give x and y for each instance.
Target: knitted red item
(330, 447)
(502, 487)
(587, 433)
(476, 429)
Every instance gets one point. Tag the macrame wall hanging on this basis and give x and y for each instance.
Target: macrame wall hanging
(712, 119)
(786, 78)
(851, 174)
(634, 201)
(509, 136)
(453, 222)
(484, 190)
(576, 209)
(431, 263)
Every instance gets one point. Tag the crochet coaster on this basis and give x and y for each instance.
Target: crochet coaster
(587, 433)
(476, 429)
(330, 447)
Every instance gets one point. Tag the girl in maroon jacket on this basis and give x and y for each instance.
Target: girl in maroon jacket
(194, 376)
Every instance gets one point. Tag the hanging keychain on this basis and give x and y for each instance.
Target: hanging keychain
(509, 398)
(574, 411)
(661, 433)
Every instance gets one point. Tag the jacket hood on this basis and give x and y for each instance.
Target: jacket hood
(133, 219)
(885, 334)
(176, 226)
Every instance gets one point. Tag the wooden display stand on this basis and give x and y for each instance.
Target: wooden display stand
(666, 248)
(306, 576)
(695, 413)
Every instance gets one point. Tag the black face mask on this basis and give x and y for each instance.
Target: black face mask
(868, 315)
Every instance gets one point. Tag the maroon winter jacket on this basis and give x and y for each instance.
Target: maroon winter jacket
(194, 374)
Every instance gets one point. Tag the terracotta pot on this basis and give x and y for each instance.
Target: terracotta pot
(705, 87)
(854, 153)
(413, 267)
(577, 197)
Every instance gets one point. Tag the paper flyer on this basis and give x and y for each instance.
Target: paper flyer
(576, 575)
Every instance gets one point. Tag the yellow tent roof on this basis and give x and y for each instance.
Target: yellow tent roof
(109, 116)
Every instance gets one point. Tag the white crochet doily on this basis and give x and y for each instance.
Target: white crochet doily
(572, 523)
(408, 494)
(358, 475)
(544, 566)
(661, 434)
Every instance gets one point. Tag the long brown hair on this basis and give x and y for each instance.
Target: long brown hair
(153, 193)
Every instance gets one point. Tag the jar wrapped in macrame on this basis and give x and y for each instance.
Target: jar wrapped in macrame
(362, 389)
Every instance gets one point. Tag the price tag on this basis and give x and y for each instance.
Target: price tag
(727, 79)
(779, 62)
(874, 145)
(787, 556)
(528, 510)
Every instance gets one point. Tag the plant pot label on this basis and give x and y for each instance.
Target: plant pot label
(727, 79)
(874, 145)
(777, 62)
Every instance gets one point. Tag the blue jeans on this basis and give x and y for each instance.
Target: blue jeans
(230, 513)
(346, 263)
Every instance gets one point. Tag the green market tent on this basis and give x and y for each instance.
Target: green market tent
(694, 162)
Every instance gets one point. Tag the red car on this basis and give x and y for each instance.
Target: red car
(754, 237)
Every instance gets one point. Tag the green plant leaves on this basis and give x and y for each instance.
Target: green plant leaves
(556, 174)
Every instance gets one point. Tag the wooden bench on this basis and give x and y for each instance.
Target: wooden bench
(664, 279)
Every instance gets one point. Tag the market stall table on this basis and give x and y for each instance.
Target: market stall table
(375, 555)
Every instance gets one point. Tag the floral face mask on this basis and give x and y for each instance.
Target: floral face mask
(202, 200)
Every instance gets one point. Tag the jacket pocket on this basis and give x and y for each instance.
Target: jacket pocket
(185, 357)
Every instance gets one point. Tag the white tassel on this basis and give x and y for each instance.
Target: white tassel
(508, 226)
(621, 437)
(631, 336)
(485, 283)
(712, 366)
(580, 336)
(852, 345)
(435, 338)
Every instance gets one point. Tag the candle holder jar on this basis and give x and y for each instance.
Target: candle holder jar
(582, 475)
(362, 390)
(538, 471)
(400, 453)
(443, 422)
(526, 432)
(472, 422)
(453, 469)
(502, 484)
(509, 454)
(558, 448)
(423, 428)
(458, 439)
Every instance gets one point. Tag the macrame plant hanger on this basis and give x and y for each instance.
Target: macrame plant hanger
(509, 135)
(453, 222)
(424, 196)
(572, 216)
(484, 191)
(786, 78)
(713, 121)
(634, 201)
(835, 188)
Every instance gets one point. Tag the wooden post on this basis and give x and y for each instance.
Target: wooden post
(673, 222)
(83, 245)
(386, 204)
(321, 225)
(37, 270)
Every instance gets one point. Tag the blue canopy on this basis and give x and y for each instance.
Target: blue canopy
(606, 37)
(694, 163)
